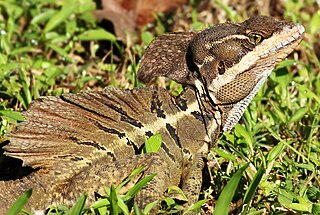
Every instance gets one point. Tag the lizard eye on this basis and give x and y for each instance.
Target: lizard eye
(255, 38)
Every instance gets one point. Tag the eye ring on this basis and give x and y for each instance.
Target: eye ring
(255, 38)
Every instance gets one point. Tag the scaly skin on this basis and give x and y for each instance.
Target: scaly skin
(81, 142)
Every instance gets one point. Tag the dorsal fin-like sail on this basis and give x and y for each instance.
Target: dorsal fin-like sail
(74, 130)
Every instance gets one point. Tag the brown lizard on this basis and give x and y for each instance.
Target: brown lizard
(81, 142)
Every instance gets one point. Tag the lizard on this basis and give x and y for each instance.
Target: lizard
(82, 142)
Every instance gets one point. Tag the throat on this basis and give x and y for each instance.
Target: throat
(233, 112)
(210, 114)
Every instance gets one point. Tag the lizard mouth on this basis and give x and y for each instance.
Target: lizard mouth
(288, 37)
(271, 50)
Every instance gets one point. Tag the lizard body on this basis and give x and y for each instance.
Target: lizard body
(81, 142)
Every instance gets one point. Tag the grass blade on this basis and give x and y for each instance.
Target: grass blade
(60, 51)
(252, 187)
(149, 207)
(113, 198)
(134, 173)
(123, 206)
(19, 203)
(12, 115)
(42, 17)
(25, 86)
(136, 209)
(59, 17)
(299, 114)
(196, 205)
(224, 200)
(78, 207)
(97, 34)
(307, 92)
(136, 188)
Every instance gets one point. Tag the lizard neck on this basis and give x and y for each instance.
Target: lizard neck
(208, 113)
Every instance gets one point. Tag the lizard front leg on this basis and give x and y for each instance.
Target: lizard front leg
(193, 180)
(104, 173)
(155, 189)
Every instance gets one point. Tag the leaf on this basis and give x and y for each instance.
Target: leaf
(286, 63)
(147, 37)
(42, 17)
(78, 207)
(224, 200)
(3, 58)
(103, 210)
(21, 50)
(285, 198)
(8, 67)
(279, 112)
(136, 209)
(316, 209)
(85, 6)
(97, 34)
(196, 205)
(13, 10)
(300, 207)
(298, 114)
(60, 39)
(315, 23)
(100, 203)
(307, 92)
(123, 206)
(245, 134)
(25, 86)
(176, 193)
(51, 74)
(308, 166)
(170, 202)
(231, 13)
(225, 154)
(114, 209)
(51, 35)
(134, 173)
(153, 143)
(19, 203)
(149, 206)
(59, 17)
(60, 51)
(12, 115)
(275, 152)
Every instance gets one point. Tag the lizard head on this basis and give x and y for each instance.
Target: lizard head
(234, 60)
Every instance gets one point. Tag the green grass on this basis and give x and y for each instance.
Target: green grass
(53, 47)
